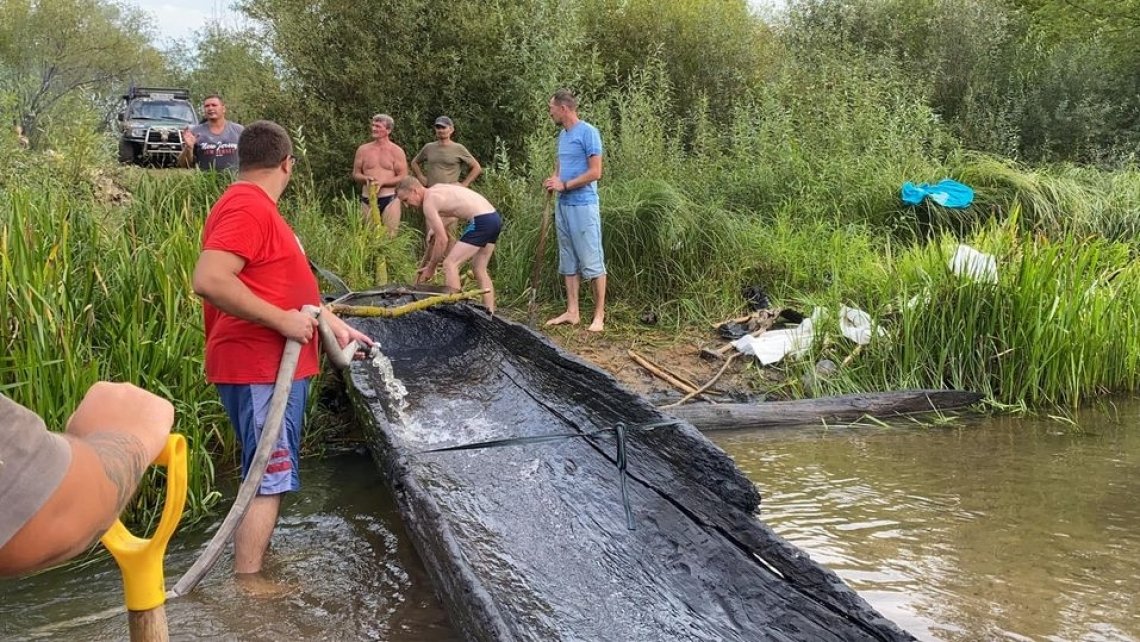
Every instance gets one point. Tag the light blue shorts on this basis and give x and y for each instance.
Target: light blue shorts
(247, 405)
(580, 240)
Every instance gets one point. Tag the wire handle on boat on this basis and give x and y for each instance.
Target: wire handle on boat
(619, 431)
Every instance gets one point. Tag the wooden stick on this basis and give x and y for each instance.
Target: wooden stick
(149, 626)
(667, 377)
(415, 306)
(854, 353)
(536, 268)
(705, 387)
(743, 319)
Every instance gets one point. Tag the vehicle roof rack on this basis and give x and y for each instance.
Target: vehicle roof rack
(147, 92)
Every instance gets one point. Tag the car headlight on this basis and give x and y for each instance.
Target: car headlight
(137, 132)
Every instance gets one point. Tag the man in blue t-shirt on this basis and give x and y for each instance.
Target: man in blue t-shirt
(577, 217)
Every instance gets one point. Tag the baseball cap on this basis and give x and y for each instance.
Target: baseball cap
(445, 121)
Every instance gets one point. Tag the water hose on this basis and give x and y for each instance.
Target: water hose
(140, 560)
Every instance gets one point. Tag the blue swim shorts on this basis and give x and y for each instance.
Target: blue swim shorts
(247, 405)
(580, 240)
(482, 230)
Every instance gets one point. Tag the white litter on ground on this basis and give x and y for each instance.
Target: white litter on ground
(974, 264)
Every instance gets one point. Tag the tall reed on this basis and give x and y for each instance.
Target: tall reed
(1055, 330)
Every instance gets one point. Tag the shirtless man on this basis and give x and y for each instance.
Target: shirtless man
(383, 163)
(475, 244)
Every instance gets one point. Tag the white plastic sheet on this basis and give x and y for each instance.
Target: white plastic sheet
(858, 326)
(974, 264)
(774, 345)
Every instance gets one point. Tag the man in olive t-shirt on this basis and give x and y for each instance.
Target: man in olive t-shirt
(445, 158)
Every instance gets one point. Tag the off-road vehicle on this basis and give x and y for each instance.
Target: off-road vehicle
(151, 121)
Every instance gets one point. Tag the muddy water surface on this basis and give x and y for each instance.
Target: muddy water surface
(997, 530)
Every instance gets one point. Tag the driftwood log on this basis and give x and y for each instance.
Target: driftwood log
(846, 408)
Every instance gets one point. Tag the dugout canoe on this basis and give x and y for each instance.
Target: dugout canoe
(531, 541)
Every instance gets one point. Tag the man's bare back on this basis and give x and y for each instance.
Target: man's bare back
(456, 201)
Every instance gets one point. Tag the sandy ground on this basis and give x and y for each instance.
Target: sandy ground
(678, 354)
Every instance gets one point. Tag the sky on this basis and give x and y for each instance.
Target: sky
(179, 19)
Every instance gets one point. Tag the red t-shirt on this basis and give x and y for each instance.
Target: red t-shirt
(245, 222)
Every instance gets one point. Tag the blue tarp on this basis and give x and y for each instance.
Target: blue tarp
(947, 193)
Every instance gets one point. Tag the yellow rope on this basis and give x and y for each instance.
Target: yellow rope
(415, 306)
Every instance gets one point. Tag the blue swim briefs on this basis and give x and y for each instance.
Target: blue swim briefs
(482, 230)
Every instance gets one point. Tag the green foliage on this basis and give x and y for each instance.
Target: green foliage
(235, 64)
(827, 139)
(1035, 79)
(489, 65)
(89, 293)
(713, 51)
(57, 56)
(1055, 330)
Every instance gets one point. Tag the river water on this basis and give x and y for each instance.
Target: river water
(993, 530)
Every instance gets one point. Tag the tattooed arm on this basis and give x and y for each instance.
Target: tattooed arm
(114, 434)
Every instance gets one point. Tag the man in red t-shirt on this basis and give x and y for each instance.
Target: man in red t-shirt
(254, 278)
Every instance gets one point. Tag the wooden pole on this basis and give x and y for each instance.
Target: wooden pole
(149, 625)
(536, 267)
(823, 410)
(708, 384)
(667, 377)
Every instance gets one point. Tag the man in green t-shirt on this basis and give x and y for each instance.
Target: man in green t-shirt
(445, 158)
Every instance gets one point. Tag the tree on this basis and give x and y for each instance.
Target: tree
(490, 65)
(54, 50)
(712, 49)
(236, 64)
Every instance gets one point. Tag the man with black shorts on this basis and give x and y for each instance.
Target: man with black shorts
(381, 164)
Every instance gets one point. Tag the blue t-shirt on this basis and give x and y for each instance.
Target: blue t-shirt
(575, 146)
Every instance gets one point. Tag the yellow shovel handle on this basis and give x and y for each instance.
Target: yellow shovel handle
(141, 560)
